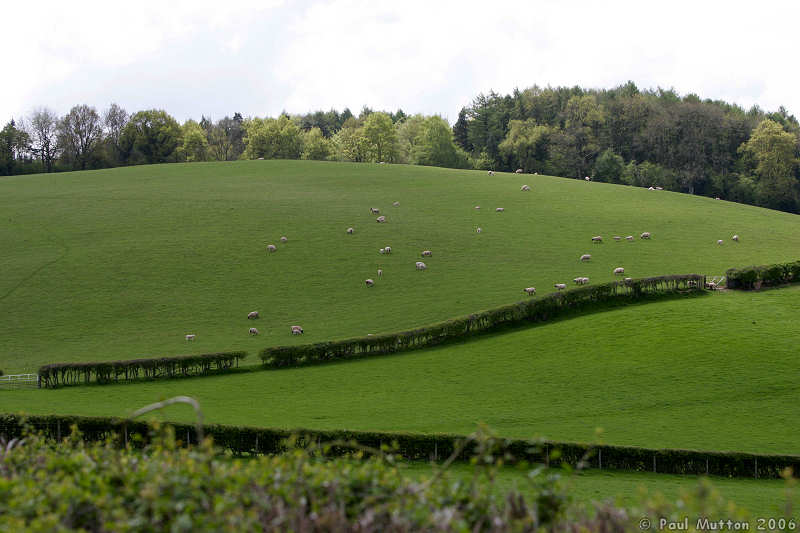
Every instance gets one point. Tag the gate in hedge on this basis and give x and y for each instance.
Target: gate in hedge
(20, 381)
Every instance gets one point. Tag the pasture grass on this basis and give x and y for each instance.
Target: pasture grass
(717, 372)
(122, 263)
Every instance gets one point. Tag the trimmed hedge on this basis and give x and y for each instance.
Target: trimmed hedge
(527, 311)
(755, 277)
(58, 374)
(257, 441)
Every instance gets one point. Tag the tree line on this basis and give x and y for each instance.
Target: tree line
(650, 138)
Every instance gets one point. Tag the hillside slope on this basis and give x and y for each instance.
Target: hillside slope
(124, 262)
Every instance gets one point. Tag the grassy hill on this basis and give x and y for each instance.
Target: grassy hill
(715, 372)
(124, 262)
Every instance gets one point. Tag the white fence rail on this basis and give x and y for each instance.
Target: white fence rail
(19, 381)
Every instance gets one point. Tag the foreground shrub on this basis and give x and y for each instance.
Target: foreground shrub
(48, 485)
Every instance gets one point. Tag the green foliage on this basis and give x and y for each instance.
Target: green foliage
(526, 145)
(539, 310)
(774, 152)
(755, 277)
(648, 174)
(350, 144)
(381, 137)
(272, 138)
(58, 374)
(609, 167)
(195, 143)
(434, 146)
(315, 145)
(80, 132)
(151, 137)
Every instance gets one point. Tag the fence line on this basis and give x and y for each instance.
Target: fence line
(20, 381)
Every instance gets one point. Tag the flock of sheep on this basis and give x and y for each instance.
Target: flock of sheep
(420, 265)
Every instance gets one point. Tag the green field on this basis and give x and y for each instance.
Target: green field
(715, 372)
(122, 263)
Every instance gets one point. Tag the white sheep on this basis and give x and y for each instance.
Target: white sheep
(349, 231)
(578, 281)
(597, 239)
(380, 273)
(587, 178)
(645, 235)
(525, 188)
(369, 282)
(396, 204)
(560, 286)
(477, 207)
(586, 257)
(421, 265)
(297, 330)
(388, 249)
(253, 331)
(618, 271)
(585, 281)
(374, 211)
(271, 248)
(629, 238)
(617, 238)
(518, 171)
(284, 239)
(659, 188)
(735, 238)
(530, 290)
(500, 209)
(719, 241)
(651, 188)
(252, 315)
(491, 172)
(478, 230)
(427, 253)
(382, 251)
(190, 337)
(380, 219)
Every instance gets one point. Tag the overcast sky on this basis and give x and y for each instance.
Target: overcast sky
(196, 58)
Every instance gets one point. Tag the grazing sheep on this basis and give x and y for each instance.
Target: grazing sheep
(190, 337)
(619, 270)
(578, 281)
(284, 239)
(478, 230)
(719, 241)
(629, 238)
(491, 172)
(388, 249)
(369, 282)
(421, 265)
(659, 188)
(427, 253)
(617, 238)
(349, 231)
(382, 251)
(477, 207)
(252, 315)
(374, 211)
(587, 178)
(380, 273)
(585, 281)
(518, 171)
(735, 238)
(711, 285)
(396, 204)
(530, 290)
(560, 286)
(597, 239)
(253, 331)
(381, 219)
(525, 188)
(500, 209)
(272, 248)
(297, 330)
(586, 257)
(645, 235)
(717, 198)
(651, 188)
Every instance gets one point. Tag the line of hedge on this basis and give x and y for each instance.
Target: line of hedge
(755, 277)
(249, 440)
(103, 372)
(527, 311)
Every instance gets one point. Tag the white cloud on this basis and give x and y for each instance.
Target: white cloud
(422, 56)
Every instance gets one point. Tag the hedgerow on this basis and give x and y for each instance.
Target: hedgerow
(243, 440)
(528, 311)
(755, 277)
(103, 372)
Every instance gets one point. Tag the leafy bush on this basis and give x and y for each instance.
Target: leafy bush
(103, 372)
(754, 277)
(527, 311)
